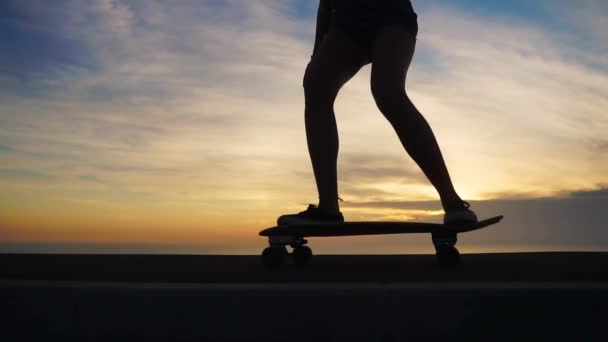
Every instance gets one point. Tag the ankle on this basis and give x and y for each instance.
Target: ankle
(452, 203)
(329, 209)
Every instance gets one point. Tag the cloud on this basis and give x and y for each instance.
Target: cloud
(373, 167)
(574, 221)
(592, 194)
(532, 100)
(21, 174)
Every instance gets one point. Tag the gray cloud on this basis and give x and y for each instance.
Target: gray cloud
(574, 221)
(592, 194)
(599, 145)
(378, 167)
(23, 174)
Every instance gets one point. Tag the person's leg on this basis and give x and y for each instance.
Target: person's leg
(391, 57)
(337, 60)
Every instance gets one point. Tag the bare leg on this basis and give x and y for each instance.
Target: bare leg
(392, 54)
(335, 63)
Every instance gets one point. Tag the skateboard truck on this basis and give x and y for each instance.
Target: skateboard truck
(444, 239)
(279, 241)
(273, 256)
(448, 255)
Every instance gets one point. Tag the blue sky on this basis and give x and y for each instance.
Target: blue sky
(189, 113)
(37, 40)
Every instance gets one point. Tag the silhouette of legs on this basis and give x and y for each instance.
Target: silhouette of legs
(337, 60)
(391, 57)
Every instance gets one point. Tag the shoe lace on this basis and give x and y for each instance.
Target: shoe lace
(313, 206)
(310, 208)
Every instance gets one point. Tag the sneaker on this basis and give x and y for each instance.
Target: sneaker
(460, 215)
(311, 215)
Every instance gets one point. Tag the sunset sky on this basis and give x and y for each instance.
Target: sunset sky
(178, 127)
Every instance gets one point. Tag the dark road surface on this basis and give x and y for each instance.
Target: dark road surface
(516, 267)
(490, 297)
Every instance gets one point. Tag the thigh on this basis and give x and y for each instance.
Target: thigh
(392, 54)
(337, 60)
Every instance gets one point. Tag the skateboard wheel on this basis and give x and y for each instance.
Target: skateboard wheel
(448, 257)
(272, 257)
(302, 255)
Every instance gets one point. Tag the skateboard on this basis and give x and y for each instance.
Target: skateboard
(444, 237)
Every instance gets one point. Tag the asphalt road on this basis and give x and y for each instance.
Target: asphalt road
(509, 267)
(497, 297)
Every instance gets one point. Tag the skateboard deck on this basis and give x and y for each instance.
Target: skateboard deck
(372, 228)
(444, 237)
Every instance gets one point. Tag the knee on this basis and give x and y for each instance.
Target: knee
(311, 76)
(317, 91)
(312, 83)
(389, 98)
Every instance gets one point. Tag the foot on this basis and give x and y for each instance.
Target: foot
(311, 215)
(459, 213)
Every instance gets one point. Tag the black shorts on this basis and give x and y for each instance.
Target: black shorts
(360, 19)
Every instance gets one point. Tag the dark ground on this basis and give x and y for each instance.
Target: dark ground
(490, 297)
(509, 267)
